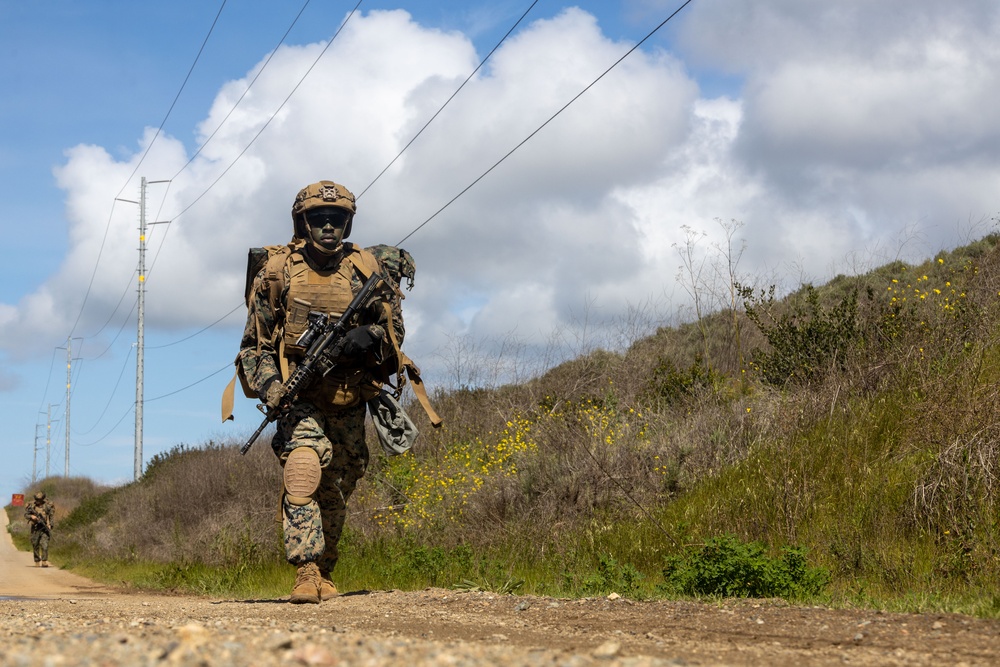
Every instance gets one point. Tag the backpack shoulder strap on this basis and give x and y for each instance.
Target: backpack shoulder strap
(271, 260)
(270, 257)
(366, 263)
(363, 261)
(274, 271)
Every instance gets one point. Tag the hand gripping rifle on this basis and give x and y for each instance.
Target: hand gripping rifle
(42, 523)
(320, 338)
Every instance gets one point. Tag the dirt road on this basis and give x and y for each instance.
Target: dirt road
(50, 617)
(20, 578)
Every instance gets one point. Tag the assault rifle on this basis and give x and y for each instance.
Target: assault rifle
(321, 340)
(42, 523)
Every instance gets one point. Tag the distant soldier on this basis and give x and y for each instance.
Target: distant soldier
(39, 515)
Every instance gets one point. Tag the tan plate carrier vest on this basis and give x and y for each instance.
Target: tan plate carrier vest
(328, 292)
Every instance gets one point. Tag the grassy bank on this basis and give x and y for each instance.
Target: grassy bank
(836, 446)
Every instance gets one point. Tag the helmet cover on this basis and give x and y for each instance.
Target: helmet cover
(323, 193)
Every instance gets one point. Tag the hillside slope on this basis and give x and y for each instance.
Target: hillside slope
(853, 423)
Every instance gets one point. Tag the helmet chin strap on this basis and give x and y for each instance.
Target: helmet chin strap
(323, 252)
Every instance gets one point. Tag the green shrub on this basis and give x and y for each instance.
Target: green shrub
(613, 577)
(807, 341)
(427, 563)
(672, 384)
(89, 510)
(727, 567)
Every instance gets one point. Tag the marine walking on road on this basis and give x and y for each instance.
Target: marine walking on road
(39, 514)
(320, 434)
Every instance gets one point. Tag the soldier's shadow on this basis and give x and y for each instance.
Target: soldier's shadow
(284, 600)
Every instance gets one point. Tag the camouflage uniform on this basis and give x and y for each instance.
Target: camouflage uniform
(336, 433)
(40, 527)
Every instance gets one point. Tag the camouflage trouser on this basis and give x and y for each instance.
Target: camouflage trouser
(40, 544)
(338, 436)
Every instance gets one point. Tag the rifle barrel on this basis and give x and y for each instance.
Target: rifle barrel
(256, 434)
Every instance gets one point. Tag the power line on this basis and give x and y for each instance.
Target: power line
(385, 169)
(268, 122)
(249, 86)
(111, 397)
(200, 331)
(176, 97)
(148, 400)
(127, 319)
(155, 347)
(48, 379)
(112, 315)
(448, 101)
(196, 382)
(539, 129)
(391, 162)
(231, 111)
(111, 430)
(107, 227)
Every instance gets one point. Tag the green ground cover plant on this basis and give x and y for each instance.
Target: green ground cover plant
(727, 567)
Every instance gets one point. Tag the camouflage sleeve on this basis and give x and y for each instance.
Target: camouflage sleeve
(397, 320)
(258, 353)
(29, 511)
(50, 513)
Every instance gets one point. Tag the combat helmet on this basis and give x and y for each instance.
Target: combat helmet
(324, 193)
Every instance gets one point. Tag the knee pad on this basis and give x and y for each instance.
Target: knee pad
(301, 475)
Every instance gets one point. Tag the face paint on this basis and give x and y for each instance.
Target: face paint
(326, 226)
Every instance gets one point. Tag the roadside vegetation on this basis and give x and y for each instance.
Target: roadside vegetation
(836, 445)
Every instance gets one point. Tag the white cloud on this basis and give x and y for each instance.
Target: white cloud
(848, 107)
(753, 37)
(852, 127)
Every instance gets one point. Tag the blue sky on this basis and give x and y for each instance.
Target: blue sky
(838, 136)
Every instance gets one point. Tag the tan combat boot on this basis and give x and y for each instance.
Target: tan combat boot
(45, 563)
(306, 589)
(327, 589)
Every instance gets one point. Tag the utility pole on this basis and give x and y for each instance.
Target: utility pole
(140, 332)
(69, 386)
(34, 457)
(69, 381)
(48, 438)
